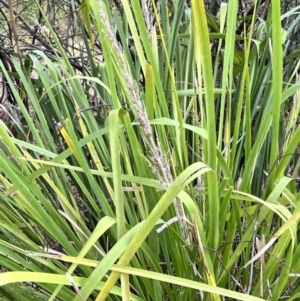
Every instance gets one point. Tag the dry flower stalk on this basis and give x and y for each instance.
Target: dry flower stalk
(158, 162)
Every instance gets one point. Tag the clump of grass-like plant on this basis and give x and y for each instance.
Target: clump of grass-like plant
(179, 110)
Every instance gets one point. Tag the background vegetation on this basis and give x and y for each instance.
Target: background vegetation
(149, 151)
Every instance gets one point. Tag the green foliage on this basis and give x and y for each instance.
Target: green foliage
(167, 170)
